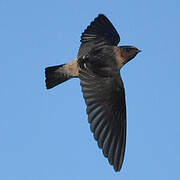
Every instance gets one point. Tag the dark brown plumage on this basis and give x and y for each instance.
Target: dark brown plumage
(98, 66)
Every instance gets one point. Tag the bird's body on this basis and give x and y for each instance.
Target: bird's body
(98, 67)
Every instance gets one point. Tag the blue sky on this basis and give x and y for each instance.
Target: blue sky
(45, 134)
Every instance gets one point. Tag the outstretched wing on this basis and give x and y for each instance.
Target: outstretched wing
(106, 109)
(101, 31)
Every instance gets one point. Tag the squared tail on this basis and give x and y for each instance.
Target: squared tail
(55, 75)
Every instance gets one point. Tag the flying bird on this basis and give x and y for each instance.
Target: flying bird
(98, 65)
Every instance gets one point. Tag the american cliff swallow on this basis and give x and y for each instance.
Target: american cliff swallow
(98, 65)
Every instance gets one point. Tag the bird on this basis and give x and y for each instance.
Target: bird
(98, 66)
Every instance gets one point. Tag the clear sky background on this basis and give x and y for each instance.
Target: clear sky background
(44, 134)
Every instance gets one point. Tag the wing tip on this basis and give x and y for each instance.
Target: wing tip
(100, 26)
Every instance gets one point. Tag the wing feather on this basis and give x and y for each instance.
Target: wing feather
(106, 111)
(100, 31)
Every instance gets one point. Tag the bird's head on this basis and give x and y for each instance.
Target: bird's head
(128, 52)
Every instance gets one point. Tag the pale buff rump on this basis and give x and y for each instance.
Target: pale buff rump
(72, 68)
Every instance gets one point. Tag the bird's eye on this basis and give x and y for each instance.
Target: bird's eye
(128, 49)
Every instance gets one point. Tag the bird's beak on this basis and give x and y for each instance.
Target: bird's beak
(139, 51)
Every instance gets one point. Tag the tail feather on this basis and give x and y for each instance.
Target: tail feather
(55, 75)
